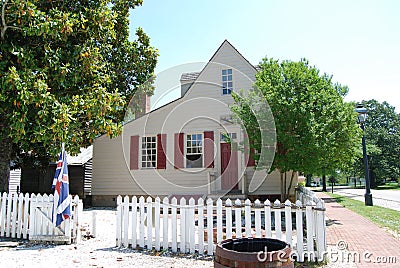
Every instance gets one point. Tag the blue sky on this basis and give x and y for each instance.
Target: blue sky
(357, 41)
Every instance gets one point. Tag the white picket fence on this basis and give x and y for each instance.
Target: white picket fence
(30, 217)
(186, 227)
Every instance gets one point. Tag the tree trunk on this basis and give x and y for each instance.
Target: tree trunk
(290, 185)
(308, 180)
(5, 158)
(324, 183)
(282, 188)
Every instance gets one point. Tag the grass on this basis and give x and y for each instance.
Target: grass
(389, 186)
(383, 217)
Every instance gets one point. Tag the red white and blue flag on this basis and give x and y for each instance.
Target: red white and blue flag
(62, 201)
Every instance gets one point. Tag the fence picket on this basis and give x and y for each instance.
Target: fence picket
(210, 227)
(9, 207)
(182, 213)
(165, 209)
(174, 225)
(278, 218)
(310, 229)
(3, 214)
(200, 224)
(247, 217)
(157, 223)
(299, 231)
(288, 222)
(26, 216)
(228, 209)
(257, 217)
(141, 222)
(149, 226)
(189, 236)
(125, 217)
(119, 221)
(134, 219)
(14, 216)
(191, 226)
(219, 220)
(267, 218)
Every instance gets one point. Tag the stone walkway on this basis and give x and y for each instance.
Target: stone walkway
(357, 241)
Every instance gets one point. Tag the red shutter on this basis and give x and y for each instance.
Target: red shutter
(209, 149)
(179, 139)
(248, 153)
(134, 152)
(161, 149)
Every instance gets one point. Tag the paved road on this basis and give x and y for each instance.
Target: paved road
(383, 198)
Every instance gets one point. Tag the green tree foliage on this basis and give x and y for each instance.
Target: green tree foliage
(316, 130)
(67, 71)
(382, 133)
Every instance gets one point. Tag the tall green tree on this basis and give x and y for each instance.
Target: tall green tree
(316, 130)
(67, 72)
(382, 134)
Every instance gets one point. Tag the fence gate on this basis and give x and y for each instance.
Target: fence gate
(30, 217)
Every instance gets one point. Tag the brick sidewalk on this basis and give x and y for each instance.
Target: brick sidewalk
(361, 235)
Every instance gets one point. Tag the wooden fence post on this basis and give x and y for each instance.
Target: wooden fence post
(247, 217)
(174, 227)
(310, 230)
(288, 222)
(165, 222)
(228, 209)
(299, 231)
(182, 213)
(141, 222)
(125, 218)
(134, 221)
(157, 223)
(278, 218)
(219, 220)
(257, 217)
(210, 227)
(238, 218)
(200, 224)
(119, 221)
(149, 204)
(191, 227)
(267, 218)
(26, 216)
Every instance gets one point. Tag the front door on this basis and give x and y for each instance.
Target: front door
(229, 167)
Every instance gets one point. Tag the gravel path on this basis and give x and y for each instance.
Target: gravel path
(95, 252)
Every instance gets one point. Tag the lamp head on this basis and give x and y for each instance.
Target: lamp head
(362, 113)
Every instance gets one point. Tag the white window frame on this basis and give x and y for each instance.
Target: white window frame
(232, 135)
(227, 77)
(142, 149)
(202, 148)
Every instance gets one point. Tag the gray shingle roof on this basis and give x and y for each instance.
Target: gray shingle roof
(189, 76)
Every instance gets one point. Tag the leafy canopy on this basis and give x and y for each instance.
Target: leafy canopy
(67, 72)
(316, 130)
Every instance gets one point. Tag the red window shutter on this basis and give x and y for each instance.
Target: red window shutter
(161, 149)
(209, 149)
(248, 153)
(134, 153)
(179, 148)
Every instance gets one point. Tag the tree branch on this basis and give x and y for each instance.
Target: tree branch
(3, 21)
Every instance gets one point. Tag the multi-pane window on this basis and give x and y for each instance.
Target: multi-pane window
(225, 137)
(149, 152)
(227, 84)
(194, 150)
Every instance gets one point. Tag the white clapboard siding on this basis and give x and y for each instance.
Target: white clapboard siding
(29, 216)
(192, 226)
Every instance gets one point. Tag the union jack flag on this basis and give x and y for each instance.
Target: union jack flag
(62, 201)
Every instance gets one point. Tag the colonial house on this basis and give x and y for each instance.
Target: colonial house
(181, 148)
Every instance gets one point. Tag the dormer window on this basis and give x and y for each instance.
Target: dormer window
(227, 84)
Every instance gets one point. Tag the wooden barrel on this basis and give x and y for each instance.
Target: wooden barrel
(253, 252)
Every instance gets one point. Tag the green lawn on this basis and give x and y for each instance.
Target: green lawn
(383, 217)
(389, 186)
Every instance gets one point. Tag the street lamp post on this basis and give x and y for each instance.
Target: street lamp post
(362, 116)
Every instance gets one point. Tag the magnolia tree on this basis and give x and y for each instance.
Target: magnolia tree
(67, 71)
(317, 131)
